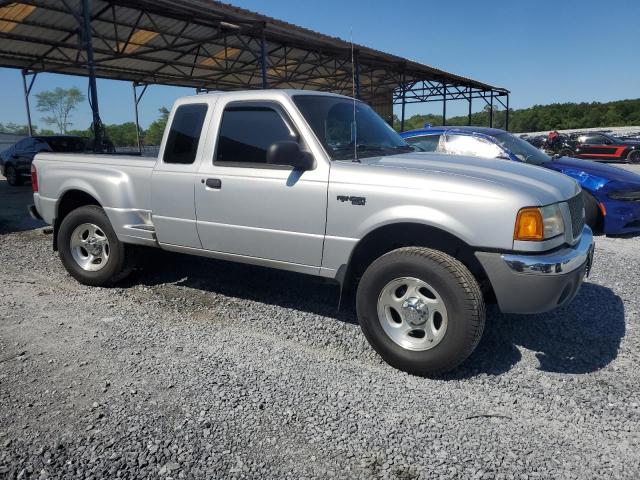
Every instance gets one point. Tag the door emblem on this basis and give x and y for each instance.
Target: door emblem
(352, 199)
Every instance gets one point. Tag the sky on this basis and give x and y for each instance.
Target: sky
(543, 51)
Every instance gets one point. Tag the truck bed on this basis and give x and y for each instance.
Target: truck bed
(120, 184)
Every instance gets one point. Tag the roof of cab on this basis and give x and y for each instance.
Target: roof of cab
(258, 94)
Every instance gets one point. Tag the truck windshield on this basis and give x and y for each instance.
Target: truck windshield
(332, 120)
(522, 149)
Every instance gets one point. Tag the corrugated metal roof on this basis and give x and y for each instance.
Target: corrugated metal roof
(198, 43)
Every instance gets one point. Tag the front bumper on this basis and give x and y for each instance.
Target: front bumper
(525, 283)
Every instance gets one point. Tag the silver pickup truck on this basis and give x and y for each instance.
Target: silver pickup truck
(320, 184)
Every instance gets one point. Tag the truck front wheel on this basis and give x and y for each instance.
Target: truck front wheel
(90, 250)
(421, 310)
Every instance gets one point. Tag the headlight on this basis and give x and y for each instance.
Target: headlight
(627, 196)
(539, 223)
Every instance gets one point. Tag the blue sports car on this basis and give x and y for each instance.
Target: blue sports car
(612, 195)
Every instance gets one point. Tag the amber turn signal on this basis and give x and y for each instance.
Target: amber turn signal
(529, 225)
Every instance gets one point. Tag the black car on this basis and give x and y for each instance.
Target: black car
(595, 146)
(15, 162)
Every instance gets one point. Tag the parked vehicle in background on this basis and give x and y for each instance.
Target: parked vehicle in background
(537, 141)
(612, 195)
(276, 178)
(15, 162)
(599, 146)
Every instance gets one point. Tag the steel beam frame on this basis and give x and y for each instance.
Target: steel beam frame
(87, 43)
(433, 91)
(236, 54)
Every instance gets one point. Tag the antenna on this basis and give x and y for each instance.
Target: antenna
(353, 96)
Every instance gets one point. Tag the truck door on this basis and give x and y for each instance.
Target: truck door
(250, 208)
(172, 183)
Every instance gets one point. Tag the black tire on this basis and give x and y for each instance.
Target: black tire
(13, 177)
(456, 286)
(634, 157)
(592, 215)
(120, 261)
(565, 152)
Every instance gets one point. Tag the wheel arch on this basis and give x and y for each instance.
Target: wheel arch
(70, 200)
(388, 237)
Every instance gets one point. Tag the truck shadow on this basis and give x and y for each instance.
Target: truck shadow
(580, 338)
(13, 208)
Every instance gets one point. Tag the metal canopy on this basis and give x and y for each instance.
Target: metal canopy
(209, 45)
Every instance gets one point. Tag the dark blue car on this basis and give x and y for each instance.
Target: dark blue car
(612, 198)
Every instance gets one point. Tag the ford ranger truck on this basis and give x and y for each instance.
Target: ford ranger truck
(318, 183)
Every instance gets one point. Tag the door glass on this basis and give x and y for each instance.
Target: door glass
(184, 135)
(246, 133)
(472, 146)
(594, 140)
(425, 143)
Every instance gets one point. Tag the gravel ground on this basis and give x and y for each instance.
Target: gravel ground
(203, 369)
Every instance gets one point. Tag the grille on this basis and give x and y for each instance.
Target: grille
(576, 209)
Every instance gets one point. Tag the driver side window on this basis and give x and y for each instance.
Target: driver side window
(246, 133)
(471, 146)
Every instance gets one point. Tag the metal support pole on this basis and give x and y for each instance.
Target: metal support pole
(402, 86)
(27, 92)
(263, 60)
(491, 111)
(98, 129)
(444, 104)
(136, 101)
(470, 99)
(506, 119)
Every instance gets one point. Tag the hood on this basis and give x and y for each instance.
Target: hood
(546, 186)
(589, 173)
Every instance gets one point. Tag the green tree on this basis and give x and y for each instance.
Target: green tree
(16, 129)
(153, 135)
(59, 103)
(556, 116)
(123, 135)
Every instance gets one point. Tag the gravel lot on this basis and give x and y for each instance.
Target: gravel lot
(202, 369)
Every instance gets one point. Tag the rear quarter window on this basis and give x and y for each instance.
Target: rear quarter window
(184, 133)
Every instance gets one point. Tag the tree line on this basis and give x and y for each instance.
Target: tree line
(555, 116)
(58, 106)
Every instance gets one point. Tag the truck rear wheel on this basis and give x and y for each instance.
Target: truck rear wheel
(90, 250)
(421, 310)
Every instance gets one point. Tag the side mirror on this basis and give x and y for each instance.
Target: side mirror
(289, 153)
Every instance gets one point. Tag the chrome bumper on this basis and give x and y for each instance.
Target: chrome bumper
(559, 262)
(540, 282)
